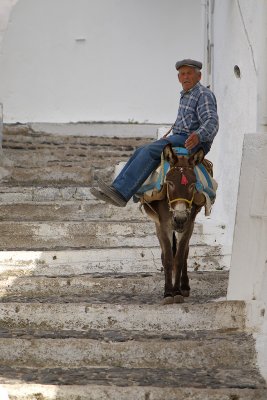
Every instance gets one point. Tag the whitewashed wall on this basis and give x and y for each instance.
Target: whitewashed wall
(97, 60)
(244, 110)
(6, 7)
(239, 39)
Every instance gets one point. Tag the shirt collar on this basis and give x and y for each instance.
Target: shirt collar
(183, 92)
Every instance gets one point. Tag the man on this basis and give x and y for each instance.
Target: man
(196, 126)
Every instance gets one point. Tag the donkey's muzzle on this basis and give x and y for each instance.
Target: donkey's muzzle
(179, 221)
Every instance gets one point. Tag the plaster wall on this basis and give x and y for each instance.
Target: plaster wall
(248, 273)
(6, 7)
(249, 257)
(239, 32)
(97, 60)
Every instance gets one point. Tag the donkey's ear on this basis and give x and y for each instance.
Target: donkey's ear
(169, 155)
(197, 157)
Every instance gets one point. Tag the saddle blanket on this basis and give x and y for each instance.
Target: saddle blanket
(205, 184)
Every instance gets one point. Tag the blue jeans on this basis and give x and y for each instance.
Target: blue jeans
(144, 161)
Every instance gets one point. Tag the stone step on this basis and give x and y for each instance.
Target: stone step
(61, 173)
(202, 351)
(70, 317)
(61, 210)
(108, 288)
(55, 175)
(59, 176)
(34, 391)
(60, 160)
(79, 262)
(86, 234)
(143, 381)
(35, 194)
(15, 202)
(90, 210)
(77, 203)
(31, 167)
(76, 234)
(112, 260)
(24, 138)
(90, 156)
(52, 151)
(28, 194)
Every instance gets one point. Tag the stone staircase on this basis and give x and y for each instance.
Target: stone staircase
(81, 287)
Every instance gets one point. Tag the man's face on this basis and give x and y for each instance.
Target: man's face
(188, 77)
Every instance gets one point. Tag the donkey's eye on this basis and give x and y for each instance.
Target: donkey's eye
(171, 184)
(192, 186)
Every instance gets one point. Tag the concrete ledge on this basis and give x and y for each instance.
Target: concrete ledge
(97, 129)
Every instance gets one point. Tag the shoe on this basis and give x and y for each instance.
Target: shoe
(112, 193)
(101, 196)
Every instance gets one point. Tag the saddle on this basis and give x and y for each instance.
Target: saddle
(154, 188)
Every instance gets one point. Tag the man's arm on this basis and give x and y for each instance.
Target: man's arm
(208, 117)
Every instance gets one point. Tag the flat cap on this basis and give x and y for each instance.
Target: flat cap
(189, 63)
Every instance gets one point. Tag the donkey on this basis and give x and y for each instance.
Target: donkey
(174, 217)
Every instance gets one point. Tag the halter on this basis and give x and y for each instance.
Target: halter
(189, 202)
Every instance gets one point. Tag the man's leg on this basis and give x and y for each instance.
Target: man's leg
(174, 139)
(142, 163)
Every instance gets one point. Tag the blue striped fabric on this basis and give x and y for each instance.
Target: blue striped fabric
(205, 183)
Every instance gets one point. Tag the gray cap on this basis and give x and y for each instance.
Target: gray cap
(189, 63)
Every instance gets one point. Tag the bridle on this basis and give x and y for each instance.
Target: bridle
(184, 200)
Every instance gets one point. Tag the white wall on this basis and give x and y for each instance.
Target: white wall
(248, 274)
(249, 257)
(239, 38)
(6, 7)
(97, 60)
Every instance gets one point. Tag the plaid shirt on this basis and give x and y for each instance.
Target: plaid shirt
(198, 113)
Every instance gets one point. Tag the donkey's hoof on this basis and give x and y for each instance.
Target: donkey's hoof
(185, 293)
(167, 300)
(178, 299)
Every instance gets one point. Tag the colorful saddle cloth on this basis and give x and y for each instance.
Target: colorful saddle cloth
(153, 188)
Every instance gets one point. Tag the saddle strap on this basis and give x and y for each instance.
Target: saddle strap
(208, 165)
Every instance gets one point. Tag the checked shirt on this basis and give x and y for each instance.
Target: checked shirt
(198, 113)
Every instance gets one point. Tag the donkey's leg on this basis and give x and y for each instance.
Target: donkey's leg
(178, 266)
(165, 239)
(185, 287)
(181, 281)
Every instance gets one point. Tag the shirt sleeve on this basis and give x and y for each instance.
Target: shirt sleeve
(208, 117)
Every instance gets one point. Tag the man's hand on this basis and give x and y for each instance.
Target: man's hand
(192, 141)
